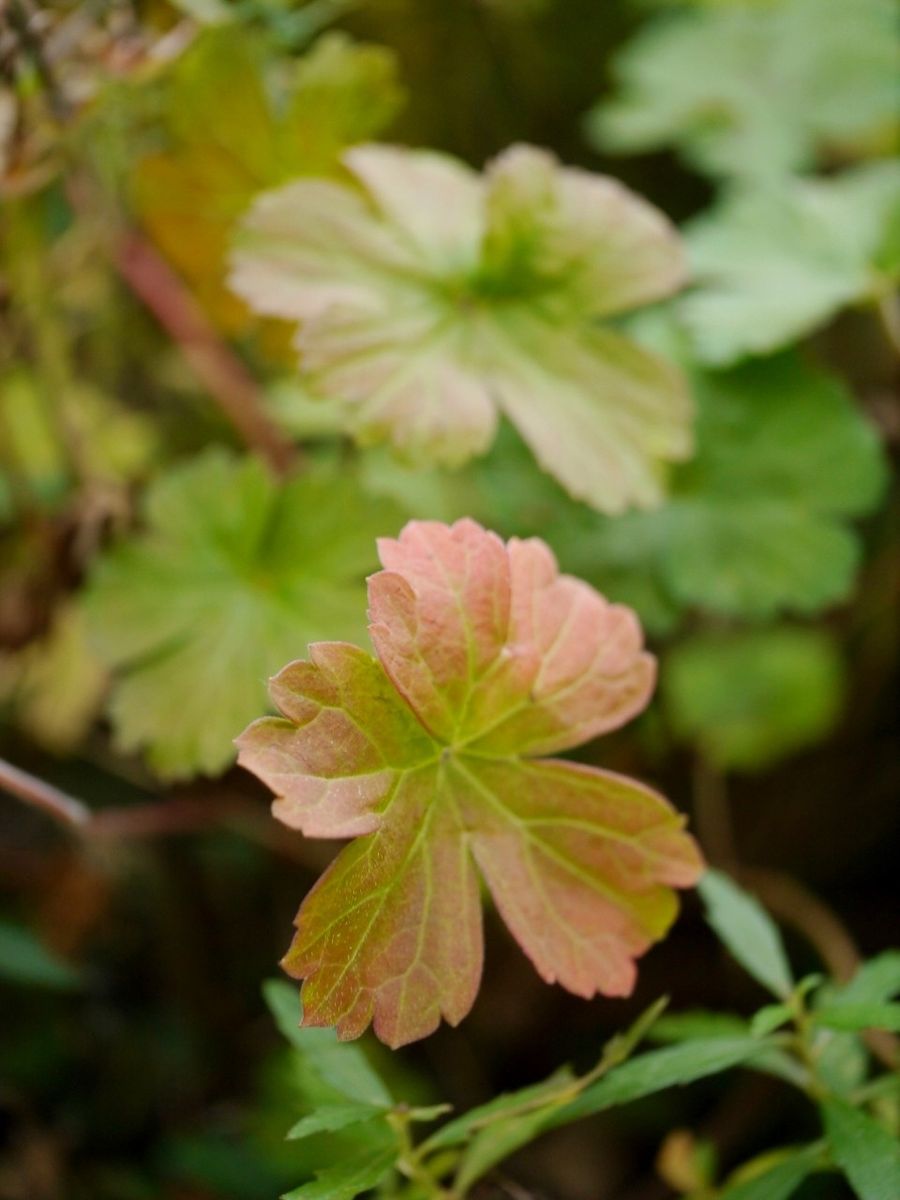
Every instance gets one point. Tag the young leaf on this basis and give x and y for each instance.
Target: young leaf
(331, 1117)
(773, 265)
(781, 84)
(867, 1154)
(25, 960)
(789, 694)
(673, 1066)
(232, 574)
(876, 981)
(343, 1067)
(433, 757)
(855, 1017)
(747, 930)
(233, 134)
(429, 298)
(349, 1178)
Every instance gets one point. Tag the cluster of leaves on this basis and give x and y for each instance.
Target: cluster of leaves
(810, 1037)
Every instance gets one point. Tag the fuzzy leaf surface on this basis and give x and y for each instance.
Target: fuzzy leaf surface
(781, 85)
(432, 757)
(430, 299)
(772, 265)
(229, 576)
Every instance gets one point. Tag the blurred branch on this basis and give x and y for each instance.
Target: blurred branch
(889, 312)
(28, 788)
(223, 374)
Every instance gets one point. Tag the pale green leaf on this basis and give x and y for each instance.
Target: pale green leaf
(867, 1154)
(757, 90)
(747, 699)
(233, 575)
(748, 931)
(770, 266)
(431, 299)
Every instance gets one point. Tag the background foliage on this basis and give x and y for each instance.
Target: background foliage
(180, 514)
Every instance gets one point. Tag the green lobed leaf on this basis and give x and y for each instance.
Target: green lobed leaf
(867, 1154)
(748, 931)
(749, 698)
(781, 85)
(771, 266)
(233, 575)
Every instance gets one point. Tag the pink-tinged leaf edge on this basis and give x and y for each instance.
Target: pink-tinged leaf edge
(432, 756)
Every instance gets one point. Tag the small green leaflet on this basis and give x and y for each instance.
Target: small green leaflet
(775, 1180)
(747, 930)
(855, 1017)
(791, 685)
(342, 1065)
(358, 1174)
(26, 961)
(771, 266)
(329, 1118)
(232, 576)
(867, 1154)
(876, 981)
(780, 85)
(673, 1066)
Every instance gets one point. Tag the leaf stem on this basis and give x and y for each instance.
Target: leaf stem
(222, 373)
(26, 787)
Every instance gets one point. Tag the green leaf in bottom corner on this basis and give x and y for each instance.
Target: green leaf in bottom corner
(232, 577)
(343, 1066)
(25, 960)
(776, 1177)
(867, 1154)
(748, 932)
(347, 1179)
(749, 698)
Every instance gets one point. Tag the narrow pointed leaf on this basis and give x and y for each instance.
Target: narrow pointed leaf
(748, 932)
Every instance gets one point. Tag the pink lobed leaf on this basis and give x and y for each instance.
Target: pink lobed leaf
(487, 658)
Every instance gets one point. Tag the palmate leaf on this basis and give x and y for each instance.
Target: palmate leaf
(789, 696)
(234, 131)
(772, 265)
(432, 757)
(757, 524)
(782, 84)
(430, 298)
(232, 575)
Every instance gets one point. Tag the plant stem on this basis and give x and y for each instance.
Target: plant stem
(26, 787)
(223, 374)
